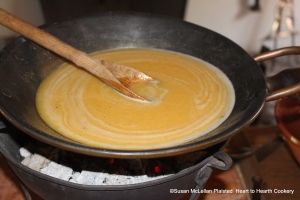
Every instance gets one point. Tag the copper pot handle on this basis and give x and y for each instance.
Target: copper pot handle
(288, 90)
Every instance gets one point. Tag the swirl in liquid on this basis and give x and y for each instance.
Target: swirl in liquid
(190, 99)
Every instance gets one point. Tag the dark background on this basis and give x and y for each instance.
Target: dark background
(57, 10)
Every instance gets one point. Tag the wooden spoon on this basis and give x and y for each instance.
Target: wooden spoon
(117, 76)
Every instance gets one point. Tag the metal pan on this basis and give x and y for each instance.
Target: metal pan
(24, 64)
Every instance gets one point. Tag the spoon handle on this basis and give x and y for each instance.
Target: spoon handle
(52, 43)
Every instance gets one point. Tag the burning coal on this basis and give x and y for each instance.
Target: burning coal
(88, 170)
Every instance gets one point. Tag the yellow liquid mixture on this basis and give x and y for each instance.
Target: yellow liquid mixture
(190, 99)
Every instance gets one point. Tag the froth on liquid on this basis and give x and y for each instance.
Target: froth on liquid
(190, 99)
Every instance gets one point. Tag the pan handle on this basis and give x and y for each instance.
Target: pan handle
(283, 78)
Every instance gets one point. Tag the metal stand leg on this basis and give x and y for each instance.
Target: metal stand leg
(25, 190)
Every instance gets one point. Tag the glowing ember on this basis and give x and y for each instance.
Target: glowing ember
(157, 170)
(112, 161)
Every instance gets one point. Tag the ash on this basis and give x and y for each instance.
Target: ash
(88, 170)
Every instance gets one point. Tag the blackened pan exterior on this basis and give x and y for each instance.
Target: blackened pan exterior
(24, 64)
